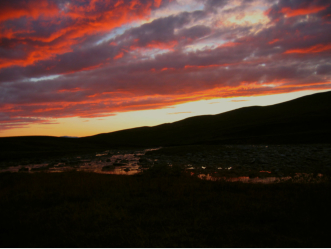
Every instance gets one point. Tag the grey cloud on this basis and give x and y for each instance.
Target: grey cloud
(324, 69)
(162, 29)
(195, 31)
(257, 58)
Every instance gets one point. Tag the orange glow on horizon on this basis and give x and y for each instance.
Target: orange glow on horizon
(97, 58)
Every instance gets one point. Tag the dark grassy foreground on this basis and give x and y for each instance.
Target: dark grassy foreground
(76, 209)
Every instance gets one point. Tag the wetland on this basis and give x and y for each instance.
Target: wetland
(251, 177)
(180, 196)
(246, 163)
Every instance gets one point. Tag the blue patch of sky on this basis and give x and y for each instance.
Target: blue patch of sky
(154, 52)
(51, 77)
(116, 32)
(177, 7)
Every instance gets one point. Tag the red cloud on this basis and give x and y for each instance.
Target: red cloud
(157, 3)
(313, 49)
(302, 11)
(230, 44)
(81, 21)
(238, 100)
(120, 55)
(35, 8)
(76, 89)
(273, 41)
(95, 82)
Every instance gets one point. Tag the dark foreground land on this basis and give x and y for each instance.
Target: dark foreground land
(164, 206)
(80, 209)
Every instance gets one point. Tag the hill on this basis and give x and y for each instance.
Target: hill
(303, 120)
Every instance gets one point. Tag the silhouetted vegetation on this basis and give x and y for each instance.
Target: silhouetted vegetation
(155, 209)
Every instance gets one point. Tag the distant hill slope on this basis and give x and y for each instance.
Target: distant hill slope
(303, 120)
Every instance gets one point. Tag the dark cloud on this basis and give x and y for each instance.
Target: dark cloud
(195, 32)
(162, 30)
(52, 29)
(212, 5)
(324, 69)
(157, 64)
(284, 9)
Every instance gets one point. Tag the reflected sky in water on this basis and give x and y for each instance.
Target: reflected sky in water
(127, 163)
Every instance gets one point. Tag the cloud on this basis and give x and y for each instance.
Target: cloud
(298, 8)
(313, 49)
(238, 100)
(93, 59)
(34, 31)
(14, 9)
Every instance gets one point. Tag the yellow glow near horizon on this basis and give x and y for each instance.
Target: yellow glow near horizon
(80, 127)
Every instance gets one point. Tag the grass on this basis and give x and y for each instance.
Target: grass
(80, 209)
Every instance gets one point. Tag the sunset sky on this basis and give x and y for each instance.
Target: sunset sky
(79, 68)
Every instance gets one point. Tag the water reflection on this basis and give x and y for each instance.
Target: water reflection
(298, 177)
(107, 162)
(132, 162)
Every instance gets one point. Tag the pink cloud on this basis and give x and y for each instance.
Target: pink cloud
(70, 62)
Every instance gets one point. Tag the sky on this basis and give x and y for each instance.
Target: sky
(79, 68)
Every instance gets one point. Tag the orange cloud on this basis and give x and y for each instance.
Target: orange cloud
(200, 67)
(313, 49)
(32, 9)
(76, 89)
(102, 107)
(71, 39)
(120, 55)
(84, 20)
(303, 11)
(273, 41)
(157, 3)
(230, 44)
(155, 45)
(166, 68)
(238, 100)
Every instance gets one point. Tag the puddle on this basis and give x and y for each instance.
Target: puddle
(127, 163)
(299, 177)
(107, 162)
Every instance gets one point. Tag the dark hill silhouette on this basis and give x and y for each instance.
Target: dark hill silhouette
(303, 120)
